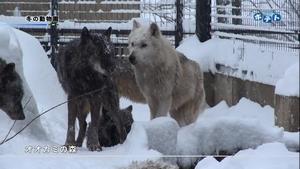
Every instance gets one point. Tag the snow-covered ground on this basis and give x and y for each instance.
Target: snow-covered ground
(266, 156)
(246, 125)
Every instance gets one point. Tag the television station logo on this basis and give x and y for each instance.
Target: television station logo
(267, 16)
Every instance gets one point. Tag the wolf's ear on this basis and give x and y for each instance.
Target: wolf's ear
(9, 68)
(129, 109)
(135, 25)
(85, 34)
(154, 30)
(108, 32)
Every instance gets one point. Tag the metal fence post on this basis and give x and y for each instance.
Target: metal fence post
(203, 19)
(53, 31)
(178, 26)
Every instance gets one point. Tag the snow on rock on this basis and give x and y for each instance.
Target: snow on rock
(227, 129)
(266, 156)
(11, 51)
(239, 59)
(288, 85)
(162, 135)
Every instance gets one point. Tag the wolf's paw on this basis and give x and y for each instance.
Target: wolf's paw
(78, 144)
(68, 144)
(94, 147)
(92, 141)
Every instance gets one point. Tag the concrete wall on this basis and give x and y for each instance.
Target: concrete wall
(220, 87)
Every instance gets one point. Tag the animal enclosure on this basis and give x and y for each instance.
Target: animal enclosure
(231, 19)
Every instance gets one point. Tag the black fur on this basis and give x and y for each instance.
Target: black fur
(108, 127)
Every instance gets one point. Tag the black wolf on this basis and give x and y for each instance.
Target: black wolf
(108, 127)
(83, 66)
(11, 91)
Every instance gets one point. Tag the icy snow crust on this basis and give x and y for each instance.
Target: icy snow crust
(245, 125)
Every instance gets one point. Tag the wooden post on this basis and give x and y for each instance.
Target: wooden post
(287, 112)
(203, 19)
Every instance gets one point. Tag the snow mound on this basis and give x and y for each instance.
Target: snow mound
(11, 51)
(289, 84)
(291, 140)
(162, 135)
(267, 156)
(228, 130)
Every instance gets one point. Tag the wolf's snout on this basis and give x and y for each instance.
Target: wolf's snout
(132, 59)
(17, 115)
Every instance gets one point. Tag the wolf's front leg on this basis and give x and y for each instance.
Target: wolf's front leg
(92, 137)
(72, 113)
(159, 106)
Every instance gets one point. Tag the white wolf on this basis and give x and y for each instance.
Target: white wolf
(168, 80)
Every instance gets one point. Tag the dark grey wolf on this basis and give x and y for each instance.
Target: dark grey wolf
(84, 65)
(169, 81)
(11, 91)
(108, 135)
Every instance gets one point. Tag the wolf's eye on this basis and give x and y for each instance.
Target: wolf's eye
(144, 45)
